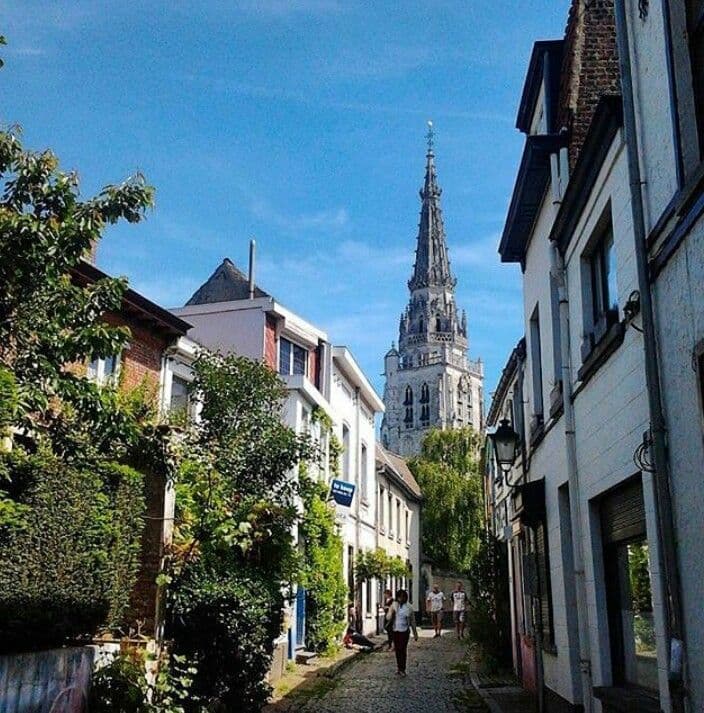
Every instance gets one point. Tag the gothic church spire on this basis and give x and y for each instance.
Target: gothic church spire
(432, 265)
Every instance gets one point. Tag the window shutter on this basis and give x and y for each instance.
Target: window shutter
(543, 581)
(623, 514)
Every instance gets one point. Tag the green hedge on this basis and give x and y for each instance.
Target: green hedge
(69, 548)
(225, 627)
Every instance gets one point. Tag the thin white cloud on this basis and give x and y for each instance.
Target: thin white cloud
(310, 98)
(24, 51)
(334, 219)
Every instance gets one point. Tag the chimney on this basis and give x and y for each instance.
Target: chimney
(252, 247)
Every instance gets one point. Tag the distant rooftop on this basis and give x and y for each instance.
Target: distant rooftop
(227, 284)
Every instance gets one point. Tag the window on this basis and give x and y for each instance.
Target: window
(699, 363)
(603, 293)
(408, 403)
(544, 592)
(695, 23)
(346, 453)
(363, 472)
(180, 398)
(293, 359)
(391, 515)
(408, 531)
(104, 370)
(628, 593)
(368, 603)
(424, 394)
(398, 519)
(380, 509)
(536, 365)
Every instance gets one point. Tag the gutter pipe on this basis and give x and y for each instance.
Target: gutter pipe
(661, 475)
(559, 273)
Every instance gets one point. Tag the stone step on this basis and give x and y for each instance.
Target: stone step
(305, 657)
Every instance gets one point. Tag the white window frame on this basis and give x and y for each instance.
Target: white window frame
(97, 373)
(294, 344)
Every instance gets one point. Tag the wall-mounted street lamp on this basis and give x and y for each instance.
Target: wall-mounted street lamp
(506, 442)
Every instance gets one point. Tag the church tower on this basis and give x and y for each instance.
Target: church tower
(429, 381)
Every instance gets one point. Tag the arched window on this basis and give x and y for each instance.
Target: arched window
(424, 394)
(408, 403)
(438, 325)
(425, 415)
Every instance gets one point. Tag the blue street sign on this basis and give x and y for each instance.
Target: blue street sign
(342, 492)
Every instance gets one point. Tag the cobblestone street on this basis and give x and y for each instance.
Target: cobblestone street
(370, 683)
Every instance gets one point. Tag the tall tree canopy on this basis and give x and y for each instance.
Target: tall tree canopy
(448, 472)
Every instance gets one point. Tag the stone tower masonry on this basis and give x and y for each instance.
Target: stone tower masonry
(429, 381)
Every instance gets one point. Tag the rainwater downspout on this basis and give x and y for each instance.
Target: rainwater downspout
(661, 475)
(559, 273)
(358, 473)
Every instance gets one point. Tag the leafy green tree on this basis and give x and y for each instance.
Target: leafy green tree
(377, 564)
(234, 555)
(489, 620)
(449, 475)
(47, 322)
(70, 505)
(326, 589)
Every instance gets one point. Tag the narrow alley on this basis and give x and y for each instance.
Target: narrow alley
(370, 683)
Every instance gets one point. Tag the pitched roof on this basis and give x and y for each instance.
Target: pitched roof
(227, 284)
(135, 305)
(398, 469)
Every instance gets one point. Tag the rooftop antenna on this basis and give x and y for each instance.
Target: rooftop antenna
(252, 248)
(430, 136)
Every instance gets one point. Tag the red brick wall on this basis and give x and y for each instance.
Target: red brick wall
(142, 358)
(270, 356)
(590, 67)
(140, 361)
(143, 601)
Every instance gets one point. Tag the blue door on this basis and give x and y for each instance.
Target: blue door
(300, 617)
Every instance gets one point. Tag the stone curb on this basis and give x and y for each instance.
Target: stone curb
(494, 707)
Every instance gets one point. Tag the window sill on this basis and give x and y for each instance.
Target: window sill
(600, 353)
(627, 699)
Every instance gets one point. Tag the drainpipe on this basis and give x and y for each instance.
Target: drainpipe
(661, 475)
(358, 473)
(578, 542)
(579, 546)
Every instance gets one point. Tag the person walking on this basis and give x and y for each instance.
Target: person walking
(388, 622)
(436, 603)
(459, 608)
(404, 622)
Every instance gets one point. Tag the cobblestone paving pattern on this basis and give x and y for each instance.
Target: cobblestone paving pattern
(370, 684)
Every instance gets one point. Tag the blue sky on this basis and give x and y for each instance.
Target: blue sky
(300, 123)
